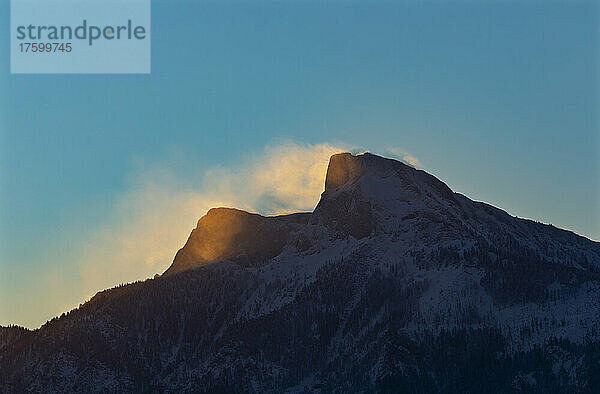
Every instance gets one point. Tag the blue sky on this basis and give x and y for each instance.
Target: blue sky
(498, 99)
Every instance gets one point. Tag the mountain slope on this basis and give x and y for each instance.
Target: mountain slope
(393, 283)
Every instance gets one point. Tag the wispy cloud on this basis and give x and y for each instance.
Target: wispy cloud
(155, 216)
(404, 156)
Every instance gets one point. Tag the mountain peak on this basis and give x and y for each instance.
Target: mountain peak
(234, 235)
(347, 168)
(343, 168)
(250, 239)
(365, 196)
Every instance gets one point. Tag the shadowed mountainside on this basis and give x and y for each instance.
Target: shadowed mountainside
(394, 283)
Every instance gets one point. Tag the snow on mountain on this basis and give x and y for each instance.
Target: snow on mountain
(393, 283)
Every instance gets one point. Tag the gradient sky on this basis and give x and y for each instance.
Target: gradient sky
(497, 99)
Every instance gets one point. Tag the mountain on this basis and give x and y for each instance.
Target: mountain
(394, 283)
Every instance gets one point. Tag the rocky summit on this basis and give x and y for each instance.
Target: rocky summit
(394, 283)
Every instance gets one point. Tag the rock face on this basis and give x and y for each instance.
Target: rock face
(343, 168)
(234, 235)
(394, 283)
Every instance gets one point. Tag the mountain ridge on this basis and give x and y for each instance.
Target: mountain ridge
(393, 283)
(344, 171)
